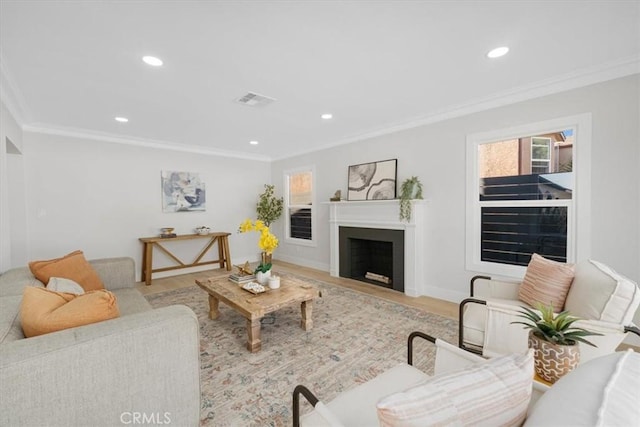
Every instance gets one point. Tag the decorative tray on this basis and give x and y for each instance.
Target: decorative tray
(254, 287)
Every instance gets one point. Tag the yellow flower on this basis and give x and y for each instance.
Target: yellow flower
(268, 242)
(246, 226)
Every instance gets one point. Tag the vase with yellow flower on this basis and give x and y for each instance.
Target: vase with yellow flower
(267, 243)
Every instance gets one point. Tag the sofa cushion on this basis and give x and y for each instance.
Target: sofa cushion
(546, 282)
(72, 266)
(13, 282)
(600, 293)
(130, 301)
(493, 393)
(43, 311)
(601, 392)
(10, 329)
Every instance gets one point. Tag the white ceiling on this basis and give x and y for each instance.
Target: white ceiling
(72, 66)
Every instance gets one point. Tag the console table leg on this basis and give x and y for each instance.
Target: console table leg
(254, 343)
(227, 253)
(214, 313)
(307, 310)
(147, 263)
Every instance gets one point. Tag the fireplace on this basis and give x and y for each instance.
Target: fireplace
(373, 255)
(407, 272)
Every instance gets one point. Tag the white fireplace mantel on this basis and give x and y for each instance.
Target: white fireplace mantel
(384, 214)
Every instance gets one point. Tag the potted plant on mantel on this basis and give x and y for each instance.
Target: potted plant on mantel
(554, 341)
(410, 189)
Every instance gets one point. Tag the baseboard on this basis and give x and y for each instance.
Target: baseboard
(445, 294)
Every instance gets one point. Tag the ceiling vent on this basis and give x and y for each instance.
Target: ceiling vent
(253, 99)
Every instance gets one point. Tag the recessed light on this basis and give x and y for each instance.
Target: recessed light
(327, 116)
(122, 119)
(152, 60)
(253, 142)
(498, 52)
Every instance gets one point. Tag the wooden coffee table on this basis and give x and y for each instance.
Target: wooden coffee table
(254, 306)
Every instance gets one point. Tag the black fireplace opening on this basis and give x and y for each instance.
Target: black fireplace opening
(373, 255)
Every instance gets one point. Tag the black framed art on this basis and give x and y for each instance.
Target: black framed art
(373, 181)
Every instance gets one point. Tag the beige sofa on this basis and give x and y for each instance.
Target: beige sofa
(142, 367)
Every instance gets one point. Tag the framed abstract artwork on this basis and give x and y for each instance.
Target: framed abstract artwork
(182, 192)
(373, 181)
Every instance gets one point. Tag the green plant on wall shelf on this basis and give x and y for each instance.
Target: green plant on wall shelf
(410, 189)
(269, 208)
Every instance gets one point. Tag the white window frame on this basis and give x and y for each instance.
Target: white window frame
(579, 207)
(287, 222)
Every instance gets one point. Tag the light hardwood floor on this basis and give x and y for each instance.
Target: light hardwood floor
(432, 305)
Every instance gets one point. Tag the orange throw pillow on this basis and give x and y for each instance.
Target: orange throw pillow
(546, 282)
(43, 311)
(72, 266)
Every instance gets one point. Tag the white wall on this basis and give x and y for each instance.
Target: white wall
(12, 225)
(436, 153)
(100, 197)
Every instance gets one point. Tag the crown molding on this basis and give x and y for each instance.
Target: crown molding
(16, 105)
(139, 142)
(11, 95)
(584, 77)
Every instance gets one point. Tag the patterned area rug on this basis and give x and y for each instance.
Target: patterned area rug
(354, 338)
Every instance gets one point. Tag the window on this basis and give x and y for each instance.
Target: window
(540, 155)
(299, 205)
(522, 195)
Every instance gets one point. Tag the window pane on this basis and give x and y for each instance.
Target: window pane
(300, 188)
(300, 223)
(527, 168)
(511, 234)
(540, 152)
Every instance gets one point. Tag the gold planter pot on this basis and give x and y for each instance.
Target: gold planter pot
(552, 361)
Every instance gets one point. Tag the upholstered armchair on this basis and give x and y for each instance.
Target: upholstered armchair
(605, 301)
(405, 395)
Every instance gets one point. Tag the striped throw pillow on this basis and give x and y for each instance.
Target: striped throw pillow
(496, 393)
(546, 282)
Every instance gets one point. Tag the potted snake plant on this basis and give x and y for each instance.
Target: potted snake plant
(554, 341)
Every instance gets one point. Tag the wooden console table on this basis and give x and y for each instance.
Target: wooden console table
(224, 256)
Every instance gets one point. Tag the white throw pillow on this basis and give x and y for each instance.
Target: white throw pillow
(60, 284)
(599, 293)
(601, 392)
(493, 393)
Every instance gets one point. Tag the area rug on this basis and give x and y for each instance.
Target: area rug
(355, 337)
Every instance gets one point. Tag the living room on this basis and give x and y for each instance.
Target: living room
(65, 185)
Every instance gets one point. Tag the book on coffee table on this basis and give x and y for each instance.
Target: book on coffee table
(235, 278)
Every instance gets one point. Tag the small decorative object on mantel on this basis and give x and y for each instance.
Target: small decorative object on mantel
(554, 341)
(411, 189)
(167, 232)
(373, 181)
(203, 230)
(337, 196)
